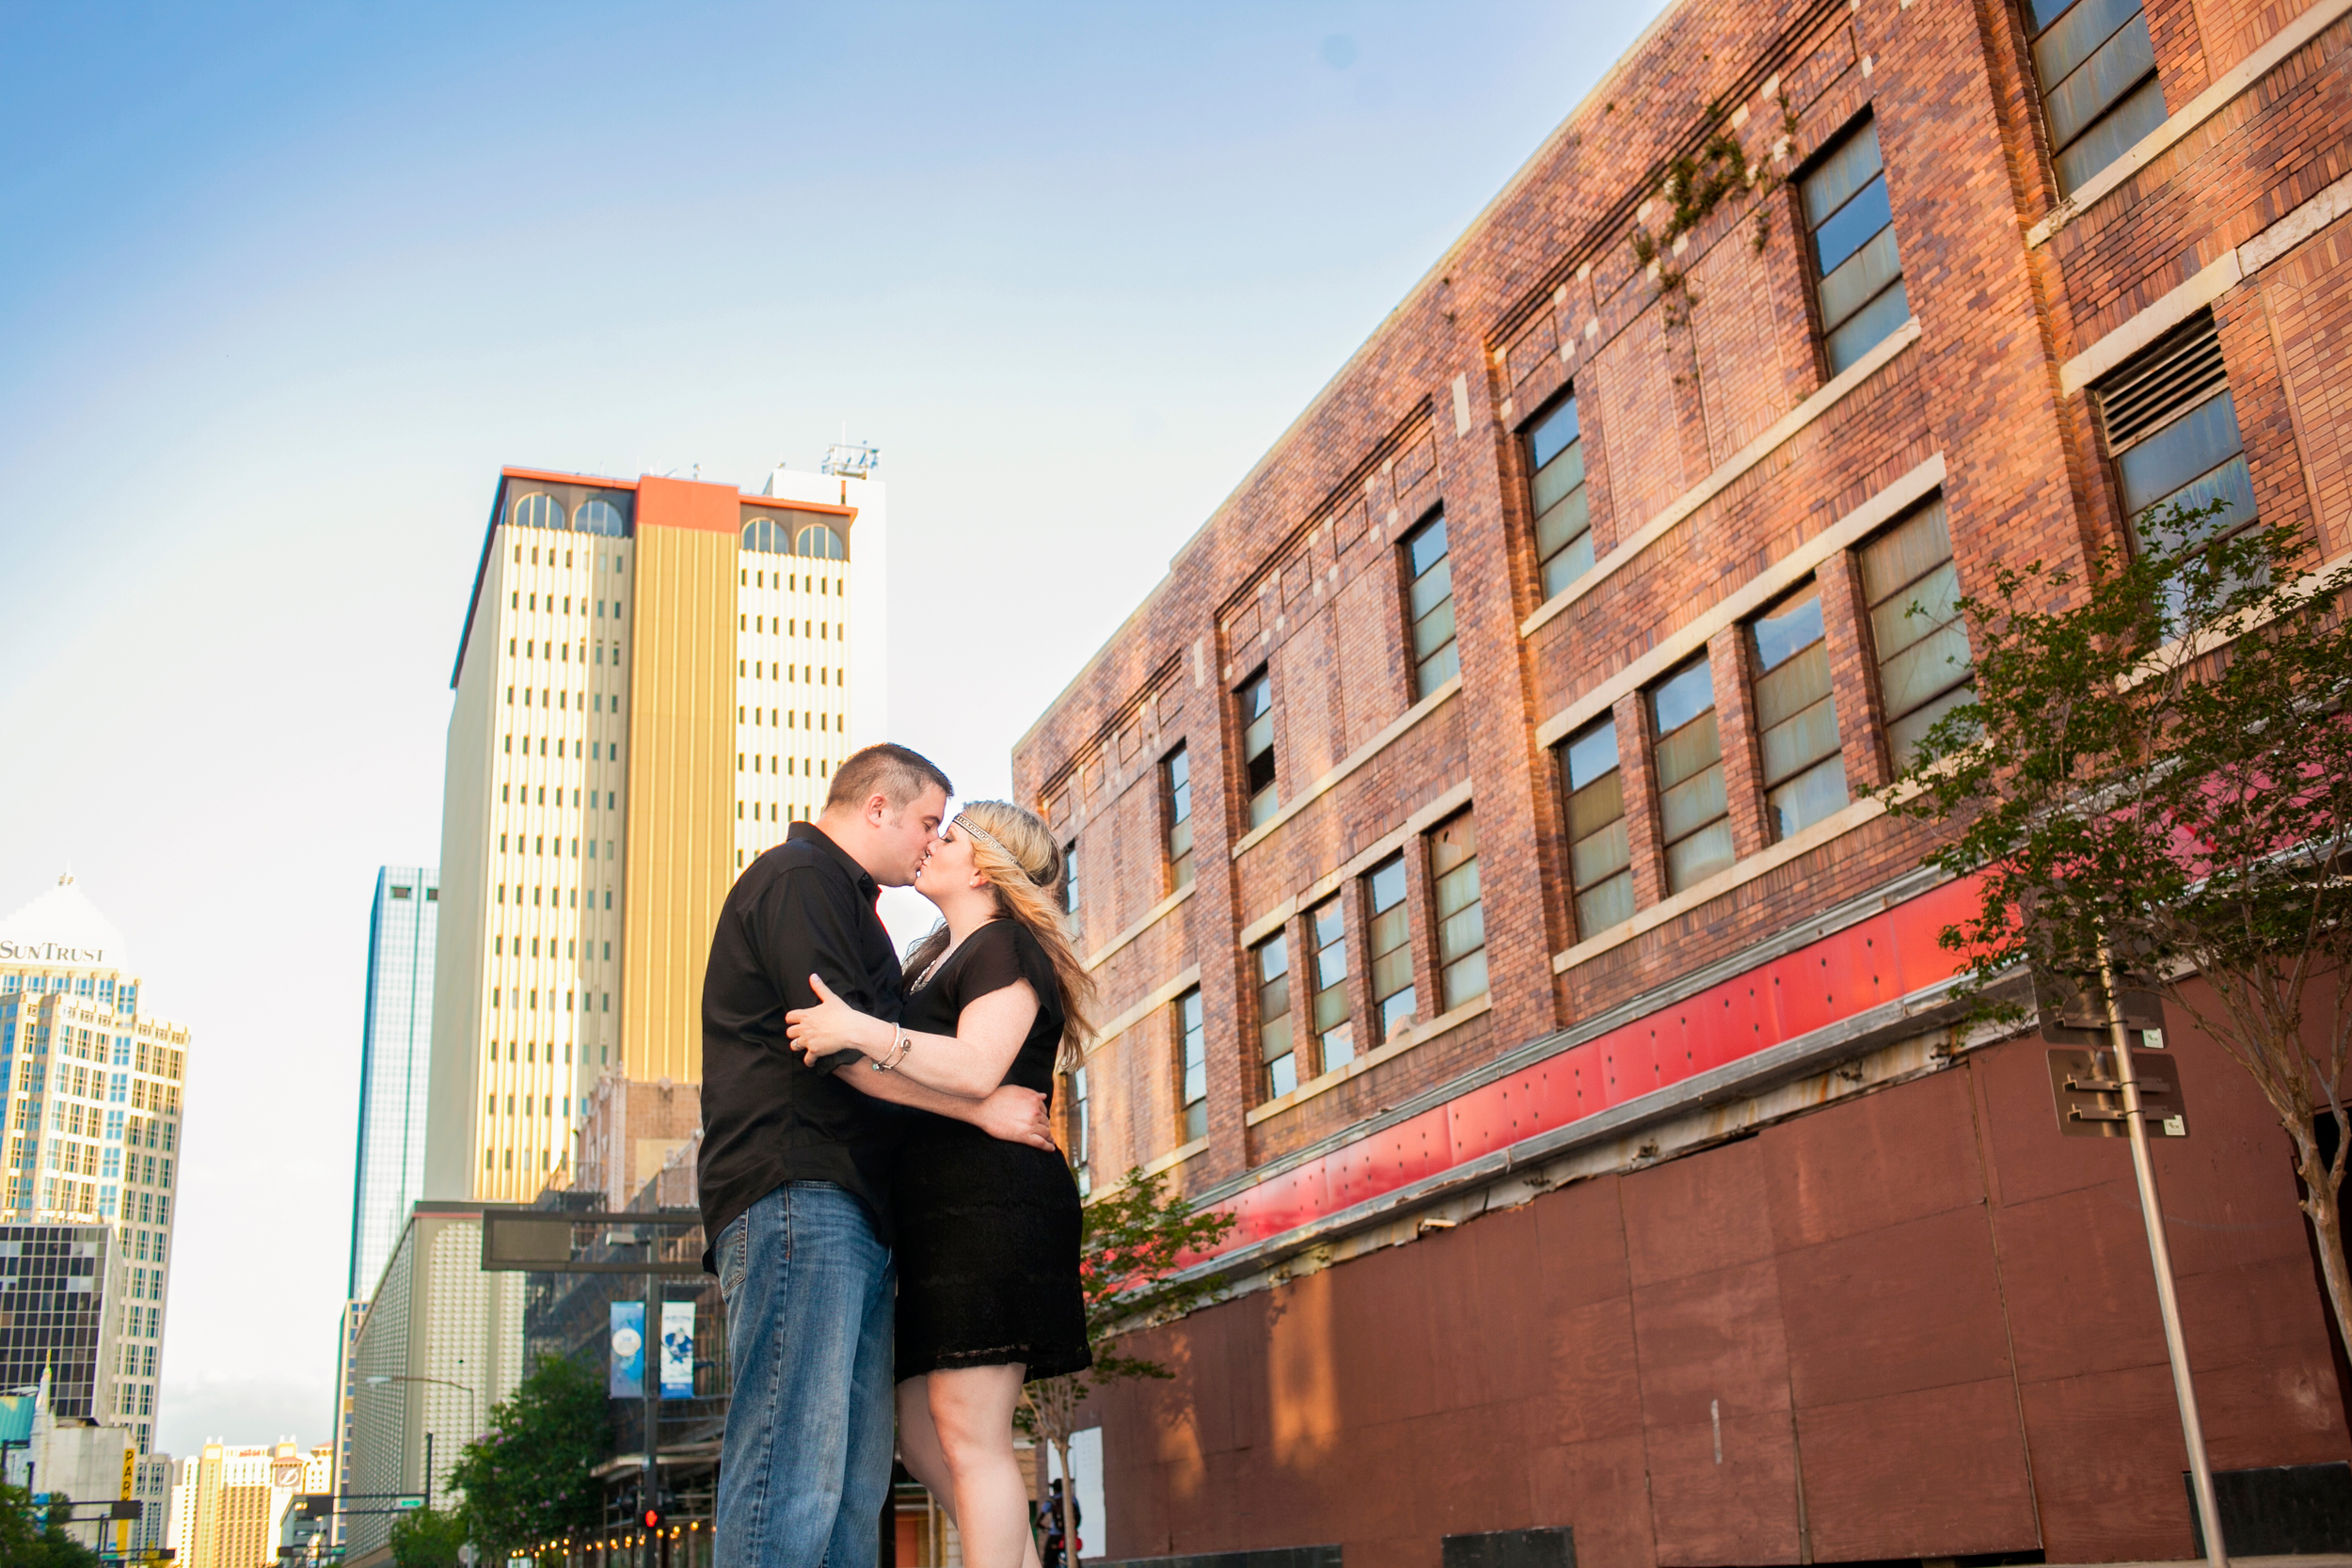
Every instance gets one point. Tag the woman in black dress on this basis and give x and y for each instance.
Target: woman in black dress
(987, 1230)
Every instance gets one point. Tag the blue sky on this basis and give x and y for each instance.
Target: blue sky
(285, 286)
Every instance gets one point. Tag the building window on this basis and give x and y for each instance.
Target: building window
(1854, 248)
(1176, 780)
(1796, 717)
(1694, 817)
(1192, 1065)
(1335, 1034)
(1600, 857)
(1563, 523)
(1081, 1141)
(538, 510)
(1273, 965)
(1389, 930)
(820, 543)
(600, 516)
(2171, 428)
(2097, 67)
(1916, 629)
(1069, 877)
(1461, 915)
(1256, 698)
(1430, 600)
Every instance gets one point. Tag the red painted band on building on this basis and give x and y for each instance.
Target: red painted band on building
(1874, 961)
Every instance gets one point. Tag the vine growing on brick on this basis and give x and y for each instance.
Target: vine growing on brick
(1692, 186)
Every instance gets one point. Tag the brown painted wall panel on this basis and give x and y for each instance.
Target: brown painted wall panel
(1579, 1235)
(1862, 1461)
(2081, 1298)
(1593, 1378)
(1911, 1307)
(1884, 1160)
(2263, 1379)
(1690, 1217)
(1602, 1485)
(1710, 1339)
(1741, 1509)
(2098, 1440)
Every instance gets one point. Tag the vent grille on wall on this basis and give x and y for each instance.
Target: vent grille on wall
(2176, 373)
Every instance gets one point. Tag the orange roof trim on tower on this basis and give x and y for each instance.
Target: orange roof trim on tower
(705, 506)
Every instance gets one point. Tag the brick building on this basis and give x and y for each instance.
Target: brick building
(1476, 846)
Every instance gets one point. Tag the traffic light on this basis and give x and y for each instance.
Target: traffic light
(650, 1518)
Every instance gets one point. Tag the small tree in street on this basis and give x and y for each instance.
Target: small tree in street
(2158, 772)
(25, 1543)
(529, 1478)
(428, 1539)
(1134, 1240)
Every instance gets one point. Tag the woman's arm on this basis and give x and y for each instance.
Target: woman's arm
(971, 1062)
(1013, 1114)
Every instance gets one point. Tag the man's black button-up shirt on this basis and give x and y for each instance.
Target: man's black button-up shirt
(768, 1118)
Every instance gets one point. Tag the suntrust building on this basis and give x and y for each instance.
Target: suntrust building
(90, 1086)
(1480, 861)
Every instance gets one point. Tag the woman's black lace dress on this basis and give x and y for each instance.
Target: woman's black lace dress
(988, 1230)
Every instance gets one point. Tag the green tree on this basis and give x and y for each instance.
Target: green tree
(31, 1538)
(2155, 775)
(527, 1479)
(428, 1538)
(1134, 1243)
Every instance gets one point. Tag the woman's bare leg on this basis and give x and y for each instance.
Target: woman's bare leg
(971, 1417)
(926, 1461)
(918, 1443)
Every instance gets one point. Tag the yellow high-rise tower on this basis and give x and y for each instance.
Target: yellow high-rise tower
(657, 677)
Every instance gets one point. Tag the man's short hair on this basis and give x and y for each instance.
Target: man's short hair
(896, 773)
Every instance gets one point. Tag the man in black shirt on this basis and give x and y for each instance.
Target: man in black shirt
(794, 1174)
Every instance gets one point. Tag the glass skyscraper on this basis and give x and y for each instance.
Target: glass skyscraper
(395, 1058)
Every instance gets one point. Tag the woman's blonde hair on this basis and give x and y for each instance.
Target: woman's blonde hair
(1016, 852)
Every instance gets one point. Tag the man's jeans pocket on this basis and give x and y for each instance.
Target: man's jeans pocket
(735, 1247)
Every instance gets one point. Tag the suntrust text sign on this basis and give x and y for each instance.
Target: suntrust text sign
(48, 952)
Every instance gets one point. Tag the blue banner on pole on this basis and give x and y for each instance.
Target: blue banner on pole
(677, 1350)
(628, 1351)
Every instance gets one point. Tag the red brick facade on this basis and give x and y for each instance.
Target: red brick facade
(1725, 464)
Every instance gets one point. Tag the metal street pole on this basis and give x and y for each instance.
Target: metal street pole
(473, 1407)
(2160, 1253)
(649, 1487)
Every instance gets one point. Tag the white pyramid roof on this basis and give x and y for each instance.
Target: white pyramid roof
(63, 928)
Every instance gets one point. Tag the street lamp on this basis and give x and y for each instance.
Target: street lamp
(473, 1409)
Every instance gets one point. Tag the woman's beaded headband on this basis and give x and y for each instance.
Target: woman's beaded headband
(991, 840)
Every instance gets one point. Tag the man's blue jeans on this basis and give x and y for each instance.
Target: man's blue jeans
(806, 1461)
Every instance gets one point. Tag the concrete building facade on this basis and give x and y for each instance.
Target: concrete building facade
(656, 679)
(73, 1460)
(346, 1410)
(439, 1346)
(90, 1087)
(1478, 853)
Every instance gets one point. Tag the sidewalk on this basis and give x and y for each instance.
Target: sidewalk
(2305, 1559)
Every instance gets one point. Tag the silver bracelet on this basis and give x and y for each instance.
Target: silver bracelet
(898, 1049)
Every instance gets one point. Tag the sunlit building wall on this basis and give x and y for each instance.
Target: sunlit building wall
(658, 678)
